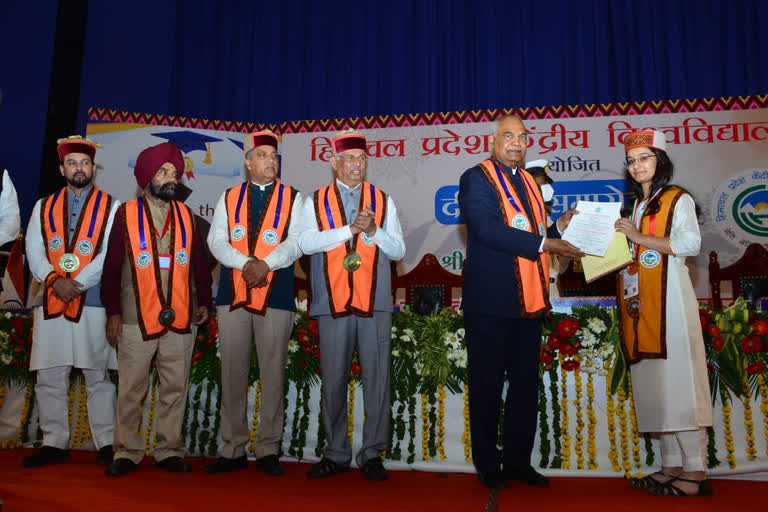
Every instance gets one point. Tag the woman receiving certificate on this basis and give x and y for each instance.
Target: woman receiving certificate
(660, 327)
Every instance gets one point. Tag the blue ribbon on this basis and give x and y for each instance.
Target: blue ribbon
(142, 239)
(533, 195)
(504, 186)
(181, 225)
(373, 197)
(328, 209)
(279, 206)
(93, 216)
(240, 202)
(50, 210)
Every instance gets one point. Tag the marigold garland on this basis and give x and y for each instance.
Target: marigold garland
(255, 420)
(579, 446)
(82, 430)
(71, 418)
(610, 409)
(564, 434)
(728, 434)
(150, 415)
(635, 433)
(592, 424)
(749, 426)
(351, 413)
(441, 421)
(466, 440)
(411, 429)
(624, 433)
(764, 405)
(2, 395)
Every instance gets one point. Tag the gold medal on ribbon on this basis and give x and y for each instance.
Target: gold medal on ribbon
(633, 307)
(166, 317)
(69, 262)
(352, 261)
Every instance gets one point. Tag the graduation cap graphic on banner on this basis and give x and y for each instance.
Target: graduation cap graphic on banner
(187, 141)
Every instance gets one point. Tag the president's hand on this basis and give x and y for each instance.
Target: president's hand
(114, 329)
(201, 316)
(562, 248)
(565, 219)
(67, 289)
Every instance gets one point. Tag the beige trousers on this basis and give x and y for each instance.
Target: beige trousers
(174, 359)
(238, 330)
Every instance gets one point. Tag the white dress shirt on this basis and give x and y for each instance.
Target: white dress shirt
(10, 221)
(312, 240)
(282, 256)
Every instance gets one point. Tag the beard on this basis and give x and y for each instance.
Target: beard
(165, 192)
(80, 180)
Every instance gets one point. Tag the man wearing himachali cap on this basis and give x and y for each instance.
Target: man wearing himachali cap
(660, 327)
(65, 247)
(155, 286)
(255, 234)
(351, 229)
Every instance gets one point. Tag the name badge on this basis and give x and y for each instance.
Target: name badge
(631, 283)
(165, 261)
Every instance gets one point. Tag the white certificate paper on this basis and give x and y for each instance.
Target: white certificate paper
(592, 229)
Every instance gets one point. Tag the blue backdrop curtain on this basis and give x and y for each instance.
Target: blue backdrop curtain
(276, 61)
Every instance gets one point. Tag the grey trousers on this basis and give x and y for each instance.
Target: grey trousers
(237, 331)
(338, 340)
(174, 360)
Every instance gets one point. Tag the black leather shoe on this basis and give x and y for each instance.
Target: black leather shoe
(374, 470)
(174, 464)
(270, 465)
(120, 467)
(326, 468)
(105, 456)
(528, 476)
(225, 465)
(492, 479)
(44, 456)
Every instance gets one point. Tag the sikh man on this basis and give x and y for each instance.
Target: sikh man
(351, 229)
(155, 285)
(66, 245)
(505, 300)
(255, 237)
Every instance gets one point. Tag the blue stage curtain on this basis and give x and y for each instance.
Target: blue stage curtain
(278, 61)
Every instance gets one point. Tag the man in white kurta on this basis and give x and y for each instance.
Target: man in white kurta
(60, 344)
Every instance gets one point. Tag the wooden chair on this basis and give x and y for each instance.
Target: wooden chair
(748, 276)
(428, 286)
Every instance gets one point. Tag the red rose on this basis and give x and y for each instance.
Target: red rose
(18, 325)
(760, 327)
(546, 356)
(751, 344)
(317, 353)
(567, 327)
(548, 366)
(197, 356)
(714, 330)
(303, 336)
(569, 349)
(570, 365)
(210, 341)
(308, 349)
(717, 344)
(355, 368)
(704, 313)
(755, 367)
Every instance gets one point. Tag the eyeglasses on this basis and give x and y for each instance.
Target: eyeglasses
(352, 158)
(641, 159)
(264, 154)
(509, 137)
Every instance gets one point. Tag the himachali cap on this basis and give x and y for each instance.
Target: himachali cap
(151, 159)
(645, 139)
(76, 144)
(539, 168)
(348, 141)
(256, 139)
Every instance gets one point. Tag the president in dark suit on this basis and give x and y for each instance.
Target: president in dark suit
(505, 300)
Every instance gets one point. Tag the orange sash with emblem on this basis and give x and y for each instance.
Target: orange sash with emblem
(141, 245)
(532, 275)
(643, 321)
(69, 258)
(271, 229)
(350, 292)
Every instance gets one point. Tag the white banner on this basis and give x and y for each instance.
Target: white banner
(721, 157)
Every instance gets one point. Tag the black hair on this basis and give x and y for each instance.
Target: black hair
(664, 170)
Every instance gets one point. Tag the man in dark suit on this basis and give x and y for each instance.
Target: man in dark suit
(505, 300)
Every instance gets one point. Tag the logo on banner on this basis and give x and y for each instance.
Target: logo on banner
(447, 209)
(741, 207)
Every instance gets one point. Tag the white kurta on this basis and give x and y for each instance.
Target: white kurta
(673, 394)
(59, 342)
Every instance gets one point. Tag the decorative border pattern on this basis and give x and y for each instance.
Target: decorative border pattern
(467, 116)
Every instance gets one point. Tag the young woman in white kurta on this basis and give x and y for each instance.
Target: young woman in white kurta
(672, 395)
